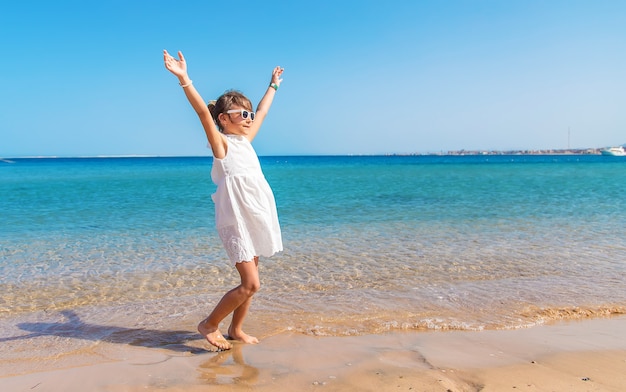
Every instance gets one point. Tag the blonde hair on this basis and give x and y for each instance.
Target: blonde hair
(225, 102)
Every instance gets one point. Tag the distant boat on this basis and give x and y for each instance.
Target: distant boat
(614, 151)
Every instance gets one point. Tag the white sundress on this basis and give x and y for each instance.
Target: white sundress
(245, 209)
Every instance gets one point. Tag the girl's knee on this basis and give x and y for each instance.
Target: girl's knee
(251, 288)
(250, 282)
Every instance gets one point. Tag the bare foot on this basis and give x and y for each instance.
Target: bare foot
(214, 336)
(242, 337)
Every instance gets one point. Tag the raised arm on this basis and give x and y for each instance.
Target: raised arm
(179, 69)
(265, 103)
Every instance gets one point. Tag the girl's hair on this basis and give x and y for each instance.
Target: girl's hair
(226, 101)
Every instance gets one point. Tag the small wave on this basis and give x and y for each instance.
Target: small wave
(547, 315)
(355, 325)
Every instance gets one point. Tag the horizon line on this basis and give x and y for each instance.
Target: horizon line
(448, 152)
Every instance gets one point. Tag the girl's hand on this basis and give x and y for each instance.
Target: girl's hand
(177, 67)
(276, 75)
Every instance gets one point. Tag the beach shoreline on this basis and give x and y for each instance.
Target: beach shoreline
(401, 272)
(573, 355)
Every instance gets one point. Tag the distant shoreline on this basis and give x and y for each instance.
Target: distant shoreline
(570, 151)
(462, 152)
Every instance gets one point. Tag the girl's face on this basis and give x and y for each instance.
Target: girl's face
(237, 120)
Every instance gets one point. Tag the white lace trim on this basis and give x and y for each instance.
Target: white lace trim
(240, 248)
(236, 247)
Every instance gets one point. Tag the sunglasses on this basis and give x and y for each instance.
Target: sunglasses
(244, 113)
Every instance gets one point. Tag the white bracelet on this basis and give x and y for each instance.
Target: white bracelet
(186, 85)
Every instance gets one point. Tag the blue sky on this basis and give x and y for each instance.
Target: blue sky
(83, 78)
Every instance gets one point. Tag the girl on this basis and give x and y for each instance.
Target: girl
(245, 210)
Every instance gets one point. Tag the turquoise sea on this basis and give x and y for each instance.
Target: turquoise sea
(372, 244)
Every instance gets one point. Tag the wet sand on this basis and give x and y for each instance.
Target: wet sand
(587, 355)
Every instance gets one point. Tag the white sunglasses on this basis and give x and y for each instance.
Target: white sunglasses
(244, 113)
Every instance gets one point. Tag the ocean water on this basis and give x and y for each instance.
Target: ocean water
(372, 244)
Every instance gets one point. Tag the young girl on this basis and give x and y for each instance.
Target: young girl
(245, 210)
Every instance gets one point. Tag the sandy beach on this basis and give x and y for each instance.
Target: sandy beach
(395, 276)
(588, 355)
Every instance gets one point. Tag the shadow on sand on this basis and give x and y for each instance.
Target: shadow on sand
(75, 328)
(224, 368)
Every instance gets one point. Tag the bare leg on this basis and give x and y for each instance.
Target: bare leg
(239, 314)
(231, 301)
(210, 330)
